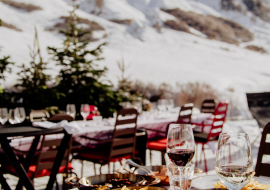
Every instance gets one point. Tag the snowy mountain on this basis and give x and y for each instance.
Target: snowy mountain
(171, 41)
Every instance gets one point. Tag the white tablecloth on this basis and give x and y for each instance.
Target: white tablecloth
(104, 130)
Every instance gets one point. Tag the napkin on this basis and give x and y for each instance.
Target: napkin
(49, 125)
(72, 127)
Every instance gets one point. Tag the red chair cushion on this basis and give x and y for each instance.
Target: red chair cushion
(163, 141)
(157, 146)
(45, 172)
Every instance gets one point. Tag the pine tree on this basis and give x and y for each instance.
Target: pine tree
(5, 100)
(4, 64)
(33, 81)
(79, 78)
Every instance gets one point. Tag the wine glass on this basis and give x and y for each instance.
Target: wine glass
(180, 144)
(85, 111)
(19, 114)
(162, 105)
(71, 110)
(12, 116)
(138, 106)
(234, 164)
(3, 115)
(170, 104)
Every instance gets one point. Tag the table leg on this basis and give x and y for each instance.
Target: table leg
(29, 158)
(58, 159)
(16, 164)
(3, 182)
(141, 142)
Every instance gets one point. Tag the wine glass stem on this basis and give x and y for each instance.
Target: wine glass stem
(84, 121)
(181, 173)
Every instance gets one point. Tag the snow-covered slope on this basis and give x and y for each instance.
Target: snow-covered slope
(155, 56)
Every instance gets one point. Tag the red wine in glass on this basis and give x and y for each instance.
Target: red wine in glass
(180, 157)
(180, 144)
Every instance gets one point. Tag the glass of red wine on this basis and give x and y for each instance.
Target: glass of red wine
(180, 144)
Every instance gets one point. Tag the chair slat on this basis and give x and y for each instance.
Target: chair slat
(48, 154)
(122, 151)
(49, 165)
(266, 149)
(126, 121)
(121, 132)
(55, 142)
(265, 168)
(119, 141)
(208, 106)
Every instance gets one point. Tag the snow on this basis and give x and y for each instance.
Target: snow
(167, 56)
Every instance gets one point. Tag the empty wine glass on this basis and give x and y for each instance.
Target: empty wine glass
(234, 163)
(162, 105)
(19, 114)
(71, 110)
(3, 115)
(170, 104)
(12, 116)
(85, 111)
(138, 106)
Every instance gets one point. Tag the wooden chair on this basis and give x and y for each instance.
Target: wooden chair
(208, 106)
(264, 149)
(161, 143)
(214, 124)
(121, 145)
(60, 117)
(185, 114)
(44, 161)
(39, 115)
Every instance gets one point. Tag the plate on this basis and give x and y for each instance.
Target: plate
(149, 188)
(206, 182)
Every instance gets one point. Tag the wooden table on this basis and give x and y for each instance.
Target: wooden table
(21, 170)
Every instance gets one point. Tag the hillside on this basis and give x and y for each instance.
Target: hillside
(171, 41)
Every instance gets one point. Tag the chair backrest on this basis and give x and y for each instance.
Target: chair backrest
(39, 115)
(61, 117)
(218, 120)
(185, 113)
(93, 111)
(208, 106)
(124, 134)
(47, 154)
(259, 106)
(264, 149)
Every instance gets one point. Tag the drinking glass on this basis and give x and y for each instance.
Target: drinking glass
(162, 105)
(71, 110)
(85, 111)
(138, 106)
(170, 104)
(180, 144)
(19, 114)
(234, 164)
(3, 115)
(12, 116)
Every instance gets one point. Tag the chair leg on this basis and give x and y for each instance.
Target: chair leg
(201, 155)
(94, 165)
(56, 183)
(113, 166)
(150, 157)
(100, 169)
(109, 164)
(205, 162)
(82, 169)
(163, 162)
(196, 158)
